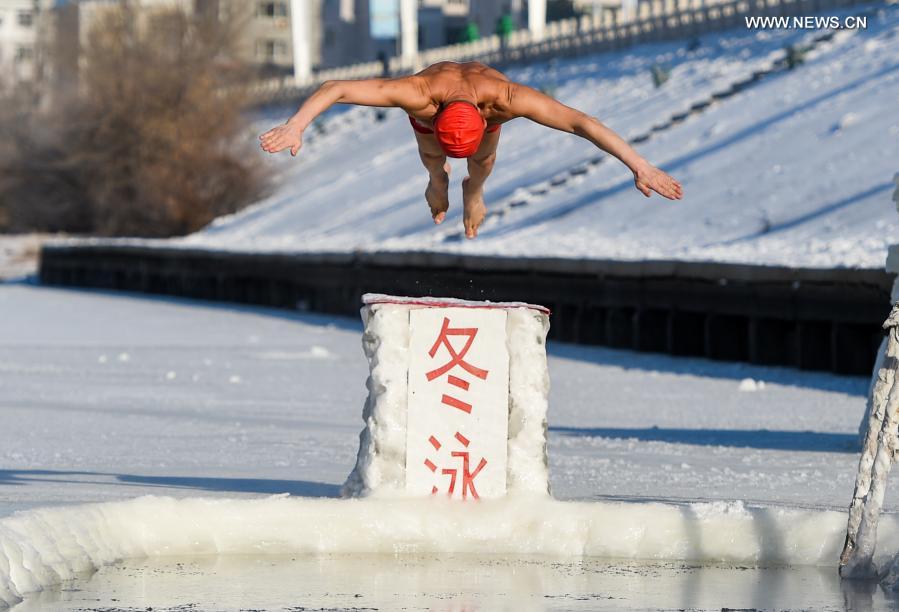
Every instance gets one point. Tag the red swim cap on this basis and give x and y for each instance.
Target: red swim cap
(459, 129)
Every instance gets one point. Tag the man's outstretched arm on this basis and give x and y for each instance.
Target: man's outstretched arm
(407, 92)
(530, 103)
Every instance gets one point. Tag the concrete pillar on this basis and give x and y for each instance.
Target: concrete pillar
(301, 32)
(409, 31)
(628, 10)
(537, 18)
(347, 10)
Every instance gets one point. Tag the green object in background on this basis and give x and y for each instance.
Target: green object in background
(660, 74)
(470, 33)
(505, 26)
(795, 56)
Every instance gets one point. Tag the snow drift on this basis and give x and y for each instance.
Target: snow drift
(39, 548)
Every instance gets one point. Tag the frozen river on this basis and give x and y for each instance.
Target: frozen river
(105, 397)
(450, 584)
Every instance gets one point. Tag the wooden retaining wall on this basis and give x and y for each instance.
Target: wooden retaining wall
(807, 318)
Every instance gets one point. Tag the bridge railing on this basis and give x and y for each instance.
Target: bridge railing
(655, 20)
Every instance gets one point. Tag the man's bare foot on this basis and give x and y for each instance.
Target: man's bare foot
(473, 208)
(437, 196)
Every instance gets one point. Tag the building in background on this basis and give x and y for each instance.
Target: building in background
(346, 37)
(22, 27)
(502, 16)
(441, 22)
(65, 29)
(364, 30)
(323, 34)
(266, 35)
(487, 14)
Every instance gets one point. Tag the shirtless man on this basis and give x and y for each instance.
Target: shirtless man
(456, 110)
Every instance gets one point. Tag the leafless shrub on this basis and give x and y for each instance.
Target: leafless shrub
(152, 143)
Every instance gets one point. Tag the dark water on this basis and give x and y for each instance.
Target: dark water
(451, 583)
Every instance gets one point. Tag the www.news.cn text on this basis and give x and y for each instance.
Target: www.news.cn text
(812, 22)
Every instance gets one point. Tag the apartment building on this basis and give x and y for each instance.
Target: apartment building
(441, 22)
(322, 33)
(265, 36)
(266, 32)
(363, 30)
(22, 25)
(346, 33)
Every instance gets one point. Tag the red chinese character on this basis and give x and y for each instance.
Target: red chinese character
(468, 476)
(457, 358)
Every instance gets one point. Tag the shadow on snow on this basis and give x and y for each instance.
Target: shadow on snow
(763, 439)
(304, 488)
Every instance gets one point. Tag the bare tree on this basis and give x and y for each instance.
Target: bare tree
(153, 141)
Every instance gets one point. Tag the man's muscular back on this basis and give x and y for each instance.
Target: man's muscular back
(448, 81)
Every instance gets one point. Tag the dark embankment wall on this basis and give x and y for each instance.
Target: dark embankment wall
(807, 318)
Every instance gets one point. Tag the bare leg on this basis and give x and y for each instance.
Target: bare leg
(434, 161)
(480, 165)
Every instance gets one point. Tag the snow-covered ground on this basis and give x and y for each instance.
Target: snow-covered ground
(104, 397)
(795, 170)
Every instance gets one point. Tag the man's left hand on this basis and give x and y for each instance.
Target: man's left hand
(649, 178)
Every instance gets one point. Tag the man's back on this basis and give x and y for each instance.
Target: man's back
(447, 81)
(468, 71)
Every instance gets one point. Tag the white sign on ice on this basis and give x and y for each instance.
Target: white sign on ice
(457, 399)
(458, 415)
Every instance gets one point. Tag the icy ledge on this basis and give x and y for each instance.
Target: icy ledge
(40, 548)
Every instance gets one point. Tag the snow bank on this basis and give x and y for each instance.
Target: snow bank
(791, 171)
(39, 548)
(381, 461)
(19, 254)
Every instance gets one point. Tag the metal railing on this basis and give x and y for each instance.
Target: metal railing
(656, 20)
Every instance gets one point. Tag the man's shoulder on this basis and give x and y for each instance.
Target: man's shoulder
(484, 69)
(440, 68)
(464, 68)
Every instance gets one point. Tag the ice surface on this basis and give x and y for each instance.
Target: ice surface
(444, 582)
(629, 427)
(795, 170)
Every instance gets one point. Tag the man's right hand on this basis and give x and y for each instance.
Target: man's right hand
(282, 137)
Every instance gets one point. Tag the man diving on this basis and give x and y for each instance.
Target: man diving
(456, 110)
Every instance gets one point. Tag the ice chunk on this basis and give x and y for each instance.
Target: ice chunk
(750, 385)
(42, 547)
